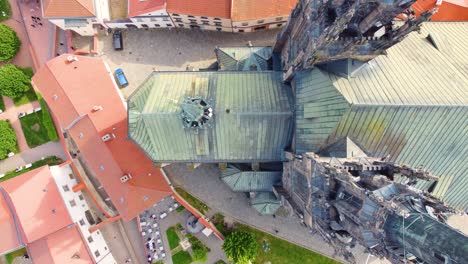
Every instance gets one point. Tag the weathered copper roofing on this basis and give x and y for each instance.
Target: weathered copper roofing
(252, 117)
(410, 105)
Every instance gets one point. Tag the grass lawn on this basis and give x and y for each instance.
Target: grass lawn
(2, 103)
(47, 120)
(4, 7)
(51, 161)
(34, 130)
(282, 251)
(12, 255)
(158, 262)
(38, 128)
(199, 205)
(180, 209)
(181, 257)
(172, 237)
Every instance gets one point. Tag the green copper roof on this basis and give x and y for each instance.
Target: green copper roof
(252, 117)
(250, 181)
(265, 203)
(410, 105)
(243, 58)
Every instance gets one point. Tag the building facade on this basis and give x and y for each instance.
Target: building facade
(82, 17)
(218, 15)
(144, 14)
(201, 14)
(250, 16)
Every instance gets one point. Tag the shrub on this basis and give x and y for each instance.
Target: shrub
(13, 82)
(7, 139)
(9, 43)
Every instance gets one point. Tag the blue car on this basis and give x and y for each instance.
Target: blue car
(121, 79)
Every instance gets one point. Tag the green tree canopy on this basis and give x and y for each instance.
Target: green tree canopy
(240, 247)
(13, 82)
(9, 43)
(7, 139)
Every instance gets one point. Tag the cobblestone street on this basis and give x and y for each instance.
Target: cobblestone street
(170, 50)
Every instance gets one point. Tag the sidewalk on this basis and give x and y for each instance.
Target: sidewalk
(11, 113)
(41, 38)
(32, 155)
(23, 58)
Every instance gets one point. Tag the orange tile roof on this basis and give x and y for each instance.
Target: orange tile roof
(8, 231)
(36, 203)
(244, 10)
(208, 8)
(63, 246)
(77, 87)
(449, 10)
(138, 7)
(68, 8)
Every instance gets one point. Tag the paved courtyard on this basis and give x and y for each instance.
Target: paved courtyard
(170, 50)
(205, 184)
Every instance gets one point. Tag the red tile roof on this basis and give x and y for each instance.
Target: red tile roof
(244, 10)
(36, 202)
(8, 231)
(68, 8)
(138, 7)
(63, 246)
(71, 90)
(208, 8)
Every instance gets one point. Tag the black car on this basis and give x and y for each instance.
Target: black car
(117, 40)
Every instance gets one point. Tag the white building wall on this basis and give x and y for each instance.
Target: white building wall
(77, 206)
(102, 14)
(258, 24)
(154, 19)
(206, 23)
(102, 10)
(152, 22)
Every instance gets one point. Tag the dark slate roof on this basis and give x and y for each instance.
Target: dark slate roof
(252, 117)
(410, 105)
(242, 58)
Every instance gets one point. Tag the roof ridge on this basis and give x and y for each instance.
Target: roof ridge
(79, 2)
(229, 55)
(18, 227)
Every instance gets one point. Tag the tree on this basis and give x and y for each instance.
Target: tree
(7, 139)
(9, 43)
(200, 255)
(240, 247)
(13, 82)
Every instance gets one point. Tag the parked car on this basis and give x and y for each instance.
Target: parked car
(117, 40)
(121, 79)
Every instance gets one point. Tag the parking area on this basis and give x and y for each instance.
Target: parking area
(151, 230)
(170, 50)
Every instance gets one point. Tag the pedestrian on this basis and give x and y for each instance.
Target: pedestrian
(32, 25)
(61, 43)
(40, 24)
